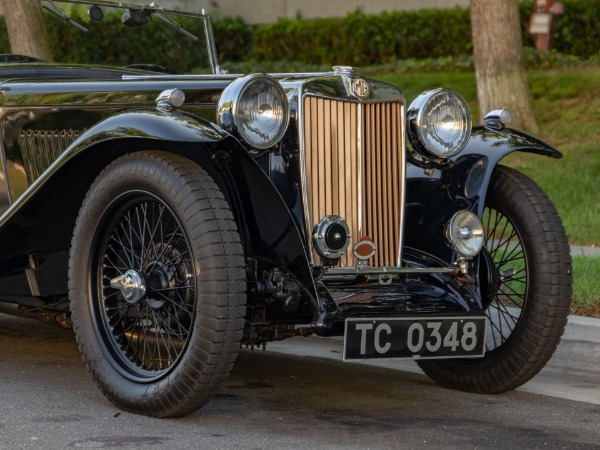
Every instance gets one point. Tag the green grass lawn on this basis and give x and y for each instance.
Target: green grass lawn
(586, 288)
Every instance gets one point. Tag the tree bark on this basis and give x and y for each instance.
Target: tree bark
(499, 61)
(26, 28)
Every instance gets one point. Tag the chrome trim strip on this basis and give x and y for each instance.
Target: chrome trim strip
(361, 164)
(403, 181)
(368, 270)
(303, 176)
(221, 76)
(4, 170)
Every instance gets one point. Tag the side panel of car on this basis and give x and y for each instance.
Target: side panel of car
(269, 232)
(39, 120)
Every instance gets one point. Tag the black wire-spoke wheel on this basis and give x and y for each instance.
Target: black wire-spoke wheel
(505, 256)
(145, 277)
(526, 283)
(157, 284)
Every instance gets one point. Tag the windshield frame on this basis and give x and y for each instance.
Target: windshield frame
(155, 8)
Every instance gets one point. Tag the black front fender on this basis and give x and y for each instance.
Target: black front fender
(432, 197)
(150, 124)
(73, 171)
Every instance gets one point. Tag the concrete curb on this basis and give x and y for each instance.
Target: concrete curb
(580, 250)
(579, 348)
(583, 328)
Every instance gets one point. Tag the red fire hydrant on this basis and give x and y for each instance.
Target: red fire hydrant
(542, 22)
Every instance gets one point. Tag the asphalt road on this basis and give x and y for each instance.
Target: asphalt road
(272, 400)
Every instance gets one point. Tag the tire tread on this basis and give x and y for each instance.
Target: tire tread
(219, 317)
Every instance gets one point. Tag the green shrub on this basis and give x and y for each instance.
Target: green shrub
(577, 32)
(109, 42)
(233, 38)
(358, 39)
(362, 39)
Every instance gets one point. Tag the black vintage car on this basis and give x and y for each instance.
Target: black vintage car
(170, 219)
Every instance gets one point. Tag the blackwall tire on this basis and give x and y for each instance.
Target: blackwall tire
(530, 297)
(157, 284)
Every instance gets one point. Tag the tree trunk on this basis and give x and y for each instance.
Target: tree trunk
(499, 61)
(26, 28)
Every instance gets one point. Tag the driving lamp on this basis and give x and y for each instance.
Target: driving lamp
(465, 233)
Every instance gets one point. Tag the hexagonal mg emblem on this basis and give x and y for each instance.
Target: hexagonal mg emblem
(360, 88)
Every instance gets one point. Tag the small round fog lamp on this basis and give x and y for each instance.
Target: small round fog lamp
(465, 233)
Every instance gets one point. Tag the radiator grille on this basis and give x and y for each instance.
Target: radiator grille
(354, 168)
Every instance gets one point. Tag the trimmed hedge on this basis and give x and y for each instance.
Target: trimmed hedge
(361, 39)
(357, 39)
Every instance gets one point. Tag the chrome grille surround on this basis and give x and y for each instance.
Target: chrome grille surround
(353, 165)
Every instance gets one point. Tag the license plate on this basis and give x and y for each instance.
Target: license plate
(417, 338)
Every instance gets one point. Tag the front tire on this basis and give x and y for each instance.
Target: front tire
(526, 272)
(157, 284)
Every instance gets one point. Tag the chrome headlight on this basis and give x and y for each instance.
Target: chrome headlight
(439, 123)
(256, 109)
(465, 233)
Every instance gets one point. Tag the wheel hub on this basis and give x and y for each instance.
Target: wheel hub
(159, 280)
(132, 286)
(489, 277)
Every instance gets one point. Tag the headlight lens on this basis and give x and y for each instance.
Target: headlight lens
(465, 233)
(255, 108)
(439, 123)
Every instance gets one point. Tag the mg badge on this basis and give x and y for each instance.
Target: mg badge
(360, 88)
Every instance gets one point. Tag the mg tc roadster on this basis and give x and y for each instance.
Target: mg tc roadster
(171, 218)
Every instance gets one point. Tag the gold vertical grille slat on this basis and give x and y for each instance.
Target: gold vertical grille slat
(374, 154)
(354, 169)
